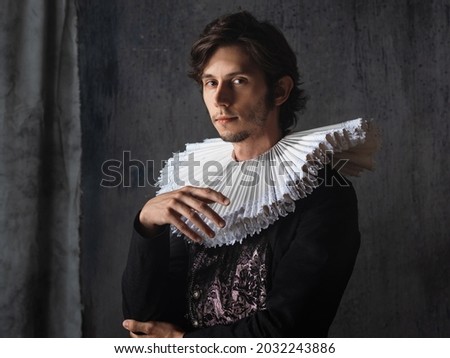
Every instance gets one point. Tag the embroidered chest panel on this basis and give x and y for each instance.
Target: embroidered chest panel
(227, 283)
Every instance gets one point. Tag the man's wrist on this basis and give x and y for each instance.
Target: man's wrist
(146, 230)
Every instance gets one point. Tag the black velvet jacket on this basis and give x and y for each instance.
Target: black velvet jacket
(311, 256)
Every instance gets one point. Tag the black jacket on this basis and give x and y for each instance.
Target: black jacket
(312, 252)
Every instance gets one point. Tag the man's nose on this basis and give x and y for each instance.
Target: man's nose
(223, 95)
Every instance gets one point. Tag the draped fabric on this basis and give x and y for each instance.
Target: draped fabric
(40, 154)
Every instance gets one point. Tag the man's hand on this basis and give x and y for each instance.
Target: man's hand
(188, 202)
(152, 329)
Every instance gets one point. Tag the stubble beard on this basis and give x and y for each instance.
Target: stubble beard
(257, 115)
(235, 137)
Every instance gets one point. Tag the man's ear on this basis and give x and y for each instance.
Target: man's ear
(283, 89)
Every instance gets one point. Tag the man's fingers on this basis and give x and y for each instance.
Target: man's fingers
(189, 206)
(195, 219)
(136, 335)
(152, 329)
(200, 203)
(186, 230)
(200, 206)
(188, 202)
(136, 327)
(184, 208)
(208, 194)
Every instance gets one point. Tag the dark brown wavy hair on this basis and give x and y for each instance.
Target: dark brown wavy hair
(265, 44)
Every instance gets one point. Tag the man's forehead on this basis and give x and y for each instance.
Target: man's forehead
(229, 61)
(243, 71)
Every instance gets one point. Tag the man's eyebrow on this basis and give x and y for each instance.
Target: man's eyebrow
(231, 74)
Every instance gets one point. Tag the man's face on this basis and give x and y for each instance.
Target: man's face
(236, 95)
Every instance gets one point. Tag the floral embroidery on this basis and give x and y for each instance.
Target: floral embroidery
(228, 282)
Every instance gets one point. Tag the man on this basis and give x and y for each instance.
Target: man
(283, 280)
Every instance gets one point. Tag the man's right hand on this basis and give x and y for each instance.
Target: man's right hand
(187, 202)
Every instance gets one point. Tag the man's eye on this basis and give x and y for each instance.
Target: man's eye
(239, 81)
(209, 83)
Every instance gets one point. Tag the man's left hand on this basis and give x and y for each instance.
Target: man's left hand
(152, 329)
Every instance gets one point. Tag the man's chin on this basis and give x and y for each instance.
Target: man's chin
(235, 137)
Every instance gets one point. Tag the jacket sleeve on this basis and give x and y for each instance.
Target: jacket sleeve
(153, 282)
(313, 254)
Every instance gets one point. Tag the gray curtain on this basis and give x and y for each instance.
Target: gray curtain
(40, 154)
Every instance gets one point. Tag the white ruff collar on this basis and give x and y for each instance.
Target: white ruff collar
(263, 189)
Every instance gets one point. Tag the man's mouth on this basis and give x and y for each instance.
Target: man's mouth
(225, 119)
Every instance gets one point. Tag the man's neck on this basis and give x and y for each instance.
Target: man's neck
(252, 147)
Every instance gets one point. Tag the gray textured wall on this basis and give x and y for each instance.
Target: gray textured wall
(383, 59)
